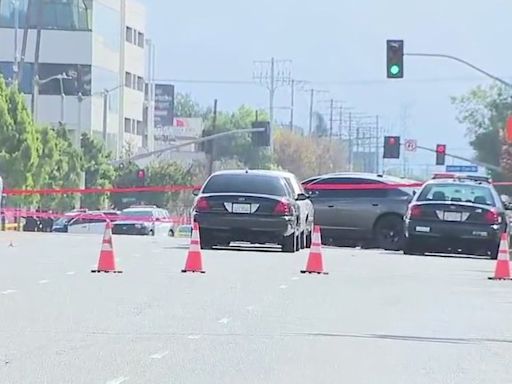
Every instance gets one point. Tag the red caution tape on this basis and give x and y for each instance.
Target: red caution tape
(66, 191)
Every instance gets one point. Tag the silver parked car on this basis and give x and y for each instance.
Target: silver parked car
(371, 216)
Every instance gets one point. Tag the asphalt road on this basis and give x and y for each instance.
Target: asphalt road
(378, 317)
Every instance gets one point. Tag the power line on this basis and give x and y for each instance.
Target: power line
(323, 82)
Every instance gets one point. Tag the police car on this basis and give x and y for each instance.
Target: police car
(456, 214)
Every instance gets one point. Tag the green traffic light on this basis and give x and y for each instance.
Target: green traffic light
(394, 69)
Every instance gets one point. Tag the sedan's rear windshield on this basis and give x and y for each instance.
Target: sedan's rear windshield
(453, 192)
(246, 183)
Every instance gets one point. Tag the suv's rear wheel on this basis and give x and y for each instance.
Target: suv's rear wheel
(389, 233)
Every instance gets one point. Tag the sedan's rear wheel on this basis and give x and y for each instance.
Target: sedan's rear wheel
(389, 233)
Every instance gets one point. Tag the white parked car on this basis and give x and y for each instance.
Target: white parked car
(143, 220)
(90, 222)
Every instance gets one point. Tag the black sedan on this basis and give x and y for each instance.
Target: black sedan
(253, 206)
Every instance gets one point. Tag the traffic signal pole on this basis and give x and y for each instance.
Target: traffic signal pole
(480, 163)
(462, 61)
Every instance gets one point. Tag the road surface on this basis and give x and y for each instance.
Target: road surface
(378, 317)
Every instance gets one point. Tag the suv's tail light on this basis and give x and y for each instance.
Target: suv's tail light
(202, 205)
(492, 217)
(414, 211)
(283, 208)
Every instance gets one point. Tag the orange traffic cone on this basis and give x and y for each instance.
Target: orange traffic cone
(315, 260)
(107, 261)
(502, 271)
(194, 261)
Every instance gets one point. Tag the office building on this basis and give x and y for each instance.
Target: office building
(89, 57)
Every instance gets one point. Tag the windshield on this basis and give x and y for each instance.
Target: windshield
(467, 193)
(246, 183)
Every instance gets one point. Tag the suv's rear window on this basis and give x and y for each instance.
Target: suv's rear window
(246, 183)
(468, 193)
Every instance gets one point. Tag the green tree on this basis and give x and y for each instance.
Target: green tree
(484, 111)
(166, 173)
(238, 146)
(99, 173)
(20, 142)
(125, 177)
(185, 106)
(59, 166)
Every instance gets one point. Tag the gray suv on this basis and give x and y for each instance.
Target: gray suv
(367, 216)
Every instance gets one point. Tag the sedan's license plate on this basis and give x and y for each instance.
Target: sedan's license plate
(241, 208)
(452, 216)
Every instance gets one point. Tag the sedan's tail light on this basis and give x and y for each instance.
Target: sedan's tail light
(283, 208)
(414, 211)
(492, 217)
(202, 205)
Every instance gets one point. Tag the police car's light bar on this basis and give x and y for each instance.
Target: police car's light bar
(484, 179)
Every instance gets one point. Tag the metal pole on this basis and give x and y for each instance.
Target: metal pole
(350, 165)
(272, 90)
(211, 156)
(311, 101)
(80, 99)
(62, 99)
(35, 101)
(105, 117)
(331, 119)
(16, 28)
(292, 102)
(466, 63)
(377, 147)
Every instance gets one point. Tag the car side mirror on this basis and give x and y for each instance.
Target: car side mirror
(195, 192)
(301, 197)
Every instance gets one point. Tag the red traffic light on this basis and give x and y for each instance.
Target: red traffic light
(391, 140)
(441, 148)
(141, 174)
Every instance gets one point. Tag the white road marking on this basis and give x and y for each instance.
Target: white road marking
(295, 278)
(194, 337)
(118, 380)
(159, 355)
(225, 320)
(70, 273)
(43, 281)
(283, 286)
(8, 291)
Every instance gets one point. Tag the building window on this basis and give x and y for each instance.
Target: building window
(71, 15)
(129, 34)
(127, 125)
(128, 79)
(140, 128)
(140, 40)
(140, 84)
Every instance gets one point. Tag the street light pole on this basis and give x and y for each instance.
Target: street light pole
(16, 6)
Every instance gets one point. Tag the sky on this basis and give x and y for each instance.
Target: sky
(338, 46)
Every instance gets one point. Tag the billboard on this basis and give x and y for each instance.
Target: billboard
(164, 105)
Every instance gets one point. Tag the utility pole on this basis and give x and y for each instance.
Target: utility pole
(312, 92)
(292, 103)
(211, 155)
(377, 142)
(272, 74)
(350, 163)
(330, 118)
